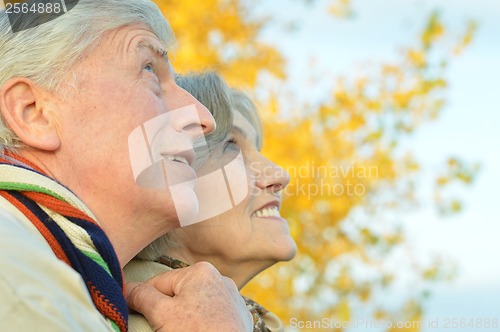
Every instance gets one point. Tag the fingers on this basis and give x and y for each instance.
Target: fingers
(239, 303)
(171, 283)
(232, 290)
(194, 297)
(143, 297)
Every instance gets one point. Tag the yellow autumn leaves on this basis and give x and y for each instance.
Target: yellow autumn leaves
(347, 149)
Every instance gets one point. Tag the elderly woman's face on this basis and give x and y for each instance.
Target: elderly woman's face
(125, 83)
(253, 230)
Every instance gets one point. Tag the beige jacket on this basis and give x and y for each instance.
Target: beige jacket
(38, 291)
(140, 270)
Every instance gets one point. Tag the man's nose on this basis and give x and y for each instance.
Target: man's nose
(191, 115)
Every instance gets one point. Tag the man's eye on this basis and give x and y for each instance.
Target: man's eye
(149, 67)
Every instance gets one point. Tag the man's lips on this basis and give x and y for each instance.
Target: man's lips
(186, 157)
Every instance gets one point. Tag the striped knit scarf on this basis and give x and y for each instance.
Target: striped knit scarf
(71, 231)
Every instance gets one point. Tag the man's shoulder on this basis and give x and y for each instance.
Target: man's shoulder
(13, 220)
(27, 258)
(37, 289)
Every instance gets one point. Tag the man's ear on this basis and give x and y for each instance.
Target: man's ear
(29, 114)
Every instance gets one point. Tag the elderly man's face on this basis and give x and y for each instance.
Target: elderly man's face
(123, 83)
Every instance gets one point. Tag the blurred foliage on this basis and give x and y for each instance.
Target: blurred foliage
(337, 8)
(349, 172)
(217, 34)
(454, 173)
(341, 9)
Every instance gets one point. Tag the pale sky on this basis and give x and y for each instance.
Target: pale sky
(468, 127)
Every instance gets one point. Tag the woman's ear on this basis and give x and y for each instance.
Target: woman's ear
(27, 111)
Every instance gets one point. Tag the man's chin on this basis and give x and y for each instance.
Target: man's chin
(185, 203)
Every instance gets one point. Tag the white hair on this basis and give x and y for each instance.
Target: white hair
(46, 53)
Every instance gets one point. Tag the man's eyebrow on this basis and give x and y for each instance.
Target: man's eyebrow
(158, 51)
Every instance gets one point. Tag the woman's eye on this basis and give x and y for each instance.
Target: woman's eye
(231, 144)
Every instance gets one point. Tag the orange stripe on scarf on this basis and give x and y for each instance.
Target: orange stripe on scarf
(21, 159)
(58, 206)
(106, 308)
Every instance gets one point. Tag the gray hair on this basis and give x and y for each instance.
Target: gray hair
(47, 52)
(212, 91)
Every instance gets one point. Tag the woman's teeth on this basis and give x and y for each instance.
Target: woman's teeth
(268, 212)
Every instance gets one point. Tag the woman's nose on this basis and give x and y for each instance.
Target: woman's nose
(272, 176)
